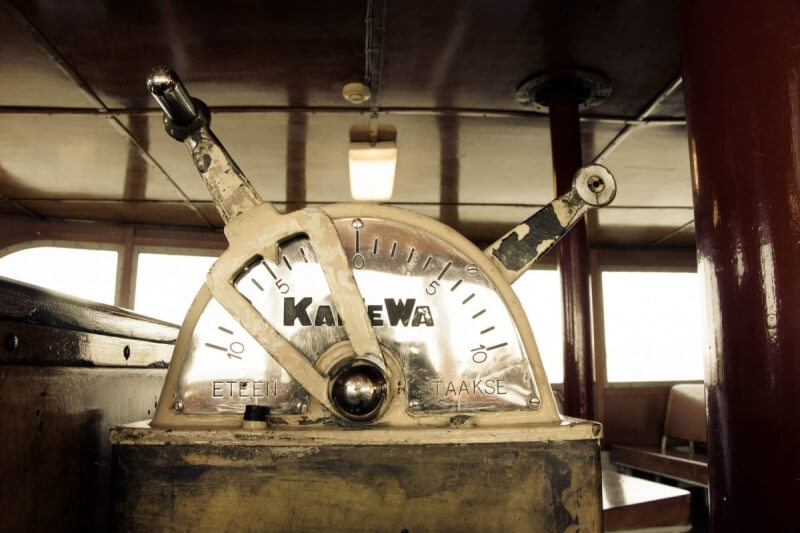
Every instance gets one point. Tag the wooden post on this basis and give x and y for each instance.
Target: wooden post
(573, 258)
(742, 90)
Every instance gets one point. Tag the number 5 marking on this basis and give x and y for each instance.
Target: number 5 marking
(431, 288)
(282, 286)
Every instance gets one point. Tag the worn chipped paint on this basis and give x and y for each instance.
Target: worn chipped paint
(526, 243)
(229, 187)
(518, 249)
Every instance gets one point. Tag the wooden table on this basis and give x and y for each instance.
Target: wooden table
(634, 504)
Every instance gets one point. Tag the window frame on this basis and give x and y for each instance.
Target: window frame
(77, 245)
(164, 250)
(680, 260)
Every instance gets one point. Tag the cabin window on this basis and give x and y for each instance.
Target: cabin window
(539, 291)
(653, 326)
(166, 284)
(84, 273)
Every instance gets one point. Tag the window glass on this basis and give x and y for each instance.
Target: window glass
(85, 273)
(539, 291)
(166, 284)
(653, 326)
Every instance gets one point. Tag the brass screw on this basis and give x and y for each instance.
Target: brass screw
(596, 184)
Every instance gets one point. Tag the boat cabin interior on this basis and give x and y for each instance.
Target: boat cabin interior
(399, 266)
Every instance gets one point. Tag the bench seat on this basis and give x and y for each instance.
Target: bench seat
(668, 463)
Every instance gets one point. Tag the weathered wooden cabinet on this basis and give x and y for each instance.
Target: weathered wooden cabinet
(341, 480)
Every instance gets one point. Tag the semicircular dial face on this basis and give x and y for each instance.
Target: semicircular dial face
(429, 305)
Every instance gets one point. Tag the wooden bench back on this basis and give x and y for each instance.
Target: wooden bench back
(686, 413)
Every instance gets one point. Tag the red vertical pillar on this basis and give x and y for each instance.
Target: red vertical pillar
(741, 65)
(573, 259)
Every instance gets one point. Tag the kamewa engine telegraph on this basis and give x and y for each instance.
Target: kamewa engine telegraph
(359, 325)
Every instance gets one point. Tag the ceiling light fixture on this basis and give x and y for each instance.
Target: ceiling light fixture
(372, 167)
(372, 155)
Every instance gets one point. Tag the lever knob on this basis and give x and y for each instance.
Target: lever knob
(595, 185)
(170, 93)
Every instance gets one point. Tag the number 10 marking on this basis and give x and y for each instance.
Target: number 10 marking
(478, 355)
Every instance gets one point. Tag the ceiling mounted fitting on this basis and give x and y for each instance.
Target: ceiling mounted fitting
(591, 88)
(356, 93)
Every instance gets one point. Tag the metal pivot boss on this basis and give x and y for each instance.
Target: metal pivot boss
(356, 314)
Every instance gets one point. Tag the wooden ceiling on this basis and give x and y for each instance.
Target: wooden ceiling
(81, 138)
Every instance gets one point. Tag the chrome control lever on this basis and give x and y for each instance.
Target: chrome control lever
(188, 120)
(165, 86)
(593, 186)
(259, 233)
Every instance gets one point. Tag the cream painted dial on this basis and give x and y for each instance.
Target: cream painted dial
(431, 307)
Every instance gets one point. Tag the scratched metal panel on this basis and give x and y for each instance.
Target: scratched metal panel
(671, 107)
(642, 226)
(652, 168)
(9, 208)
(683, 237)
(54, 451)
(267, 53)
(75, 156)
(28, 77)
(473, 54)
(121, 211)
(541, 486)
(470, 54)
